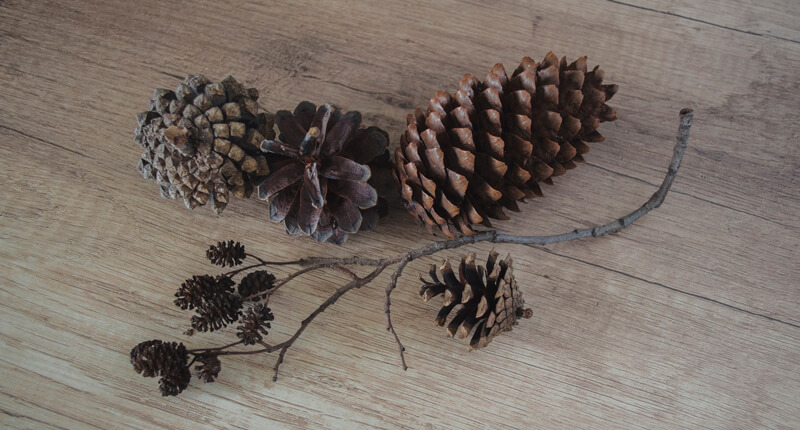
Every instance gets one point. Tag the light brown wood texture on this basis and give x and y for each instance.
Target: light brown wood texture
(690, 318)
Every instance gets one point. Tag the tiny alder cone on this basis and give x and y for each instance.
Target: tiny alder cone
(166, 359)
(489, 298)
(201, 141)
(256, 282)
(255, 323)
(209, 367)
(194, 292)
(324, 184)
(226, 254)
(472, 154)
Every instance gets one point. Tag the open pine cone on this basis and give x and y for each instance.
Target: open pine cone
(201, 141)
(322, 185)
(490, 299)
(472, 154)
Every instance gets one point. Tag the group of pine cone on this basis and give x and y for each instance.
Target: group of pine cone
(217, 304)
(461, 162)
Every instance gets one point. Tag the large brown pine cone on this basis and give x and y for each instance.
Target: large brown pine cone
(201, 141)
(472, 154)
(490, 299)
(324, 184)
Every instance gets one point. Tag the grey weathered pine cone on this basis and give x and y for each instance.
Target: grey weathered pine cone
(201, 141)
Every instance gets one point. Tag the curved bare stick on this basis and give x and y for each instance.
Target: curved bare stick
(355, 283)
(388, 309)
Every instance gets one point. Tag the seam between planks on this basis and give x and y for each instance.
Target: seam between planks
(664, 12)
(44, 141)
(677, 290)
(683, 193)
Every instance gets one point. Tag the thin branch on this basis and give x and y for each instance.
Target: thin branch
(356, 283)
(267, 349)
(207, 350)
(261, 263)
(286, 280)
(388, 309)
(346, 271)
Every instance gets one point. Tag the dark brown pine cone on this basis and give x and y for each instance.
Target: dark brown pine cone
(193, 292)
(489, 298)
(217, 312)
(323, 185)
(201, 141)
(209, 367)
(256, 282)
(167, 359)
(175, 382)
(483, 149)
(255, 323)
(228, 253)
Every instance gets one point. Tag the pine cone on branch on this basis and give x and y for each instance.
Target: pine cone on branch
(167, 359)
(195, 291)
(471, 155)
(256, 282)
(489, 298)
(217, 312)
(209, 367)
(201, 141)
(228, 253)
(322, 186)
(255, 324)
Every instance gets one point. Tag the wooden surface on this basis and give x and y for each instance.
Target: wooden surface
(688, 319)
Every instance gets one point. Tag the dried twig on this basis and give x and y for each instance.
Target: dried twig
(403, 258)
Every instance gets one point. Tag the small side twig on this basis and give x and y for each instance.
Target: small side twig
(356, 283)
(388, 309)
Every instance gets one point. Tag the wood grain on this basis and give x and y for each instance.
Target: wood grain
(688, 319)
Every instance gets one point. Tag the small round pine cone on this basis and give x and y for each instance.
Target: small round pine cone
(217, 312)
(471, 155)
(255, 323)
(324, 184)
(228, 253)
(201, 141)
(195, 291)
(489, 298)
(167, 359)
(256, 282)
(209, 367)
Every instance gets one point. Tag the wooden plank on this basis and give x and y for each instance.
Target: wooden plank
(774, 19)
(687, 319)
